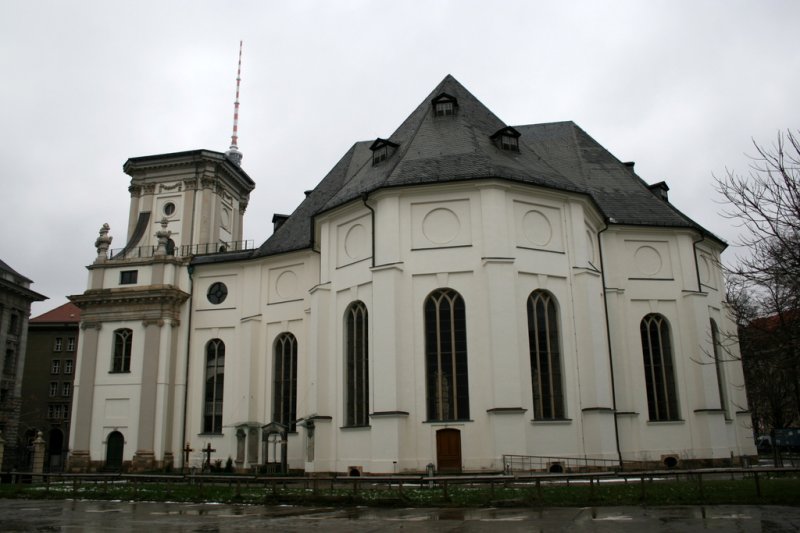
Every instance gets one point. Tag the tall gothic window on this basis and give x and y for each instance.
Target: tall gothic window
(215, 386)
(545, 353)
(718, 360)
(284, 389)
(122, 350)
(446, 356)
(356, 365)
(662, 400)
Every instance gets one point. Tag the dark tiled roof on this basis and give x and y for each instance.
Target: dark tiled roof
(68, 312)
(434, 149)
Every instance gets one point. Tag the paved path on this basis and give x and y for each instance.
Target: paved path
(119, 517)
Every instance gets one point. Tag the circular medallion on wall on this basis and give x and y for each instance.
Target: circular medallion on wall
(217, 293)
(441, 226)
(286, 284)
(354, 242)
(537, 228)
(648, 260)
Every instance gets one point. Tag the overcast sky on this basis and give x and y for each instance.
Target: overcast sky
(681, 88)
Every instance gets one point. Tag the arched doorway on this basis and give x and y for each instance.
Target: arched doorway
(55, 445)
(448, 450)
(274, 443)
(115, 444)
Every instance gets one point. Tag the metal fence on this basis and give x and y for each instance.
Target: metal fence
(145, 252)
(517, 464)
(354, 484)
(419, 490)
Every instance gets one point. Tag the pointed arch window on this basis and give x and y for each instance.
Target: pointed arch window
(718, 360)
(662, 399)
(215, 386)
(284, 387)
(123, 340)
(545, 354)
(446, 356)
(356, 365)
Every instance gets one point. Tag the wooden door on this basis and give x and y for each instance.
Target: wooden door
(448, 450)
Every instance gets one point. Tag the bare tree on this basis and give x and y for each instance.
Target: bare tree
(764, 284)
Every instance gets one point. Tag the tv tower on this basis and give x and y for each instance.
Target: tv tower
(233, 152)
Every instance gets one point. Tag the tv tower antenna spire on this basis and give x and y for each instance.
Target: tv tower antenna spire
(233, 153)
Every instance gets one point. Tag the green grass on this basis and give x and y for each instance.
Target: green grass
(773, 491)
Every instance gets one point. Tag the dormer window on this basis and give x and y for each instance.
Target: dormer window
(660, 189)
(444, 105)
(382, 150)
(507, 139)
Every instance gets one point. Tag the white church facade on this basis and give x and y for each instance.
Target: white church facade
(460, 291)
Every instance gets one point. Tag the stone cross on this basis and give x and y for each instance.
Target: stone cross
(186, 451)
(207, 450)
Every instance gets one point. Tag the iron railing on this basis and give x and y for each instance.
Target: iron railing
(396, 483)
(516, 464)
(146, 252)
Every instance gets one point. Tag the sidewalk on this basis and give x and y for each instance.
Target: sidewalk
(42, 515)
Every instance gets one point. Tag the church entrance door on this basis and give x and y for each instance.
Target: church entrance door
(114, 446)
(448, 450)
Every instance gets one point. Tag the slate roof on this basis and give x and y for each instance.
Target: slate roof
(455, 148)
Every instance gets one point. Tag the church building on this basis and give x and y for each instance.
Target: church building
(462, 293)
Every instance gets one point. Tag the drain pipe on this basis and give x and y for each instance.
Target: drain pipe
(697, 263)
(190, 270)
(364, 198)
(608, 341)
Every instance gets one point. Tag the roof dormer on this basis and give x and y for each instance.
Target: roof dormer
(660, 189)
(382, 150)
(507, 139)
(444, 105)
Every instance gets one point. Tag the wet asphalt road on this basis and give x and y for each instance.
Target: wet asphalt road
(89, 516)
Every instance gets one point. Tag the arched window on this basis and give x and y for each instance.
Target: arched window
(356, 365)
(446, 356)
(284, 389)
(662, 400)
(215, 386)
(545, 353)
(122, 350)
(718, 360)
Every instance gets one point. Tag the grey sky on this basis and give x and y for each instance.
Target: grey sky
(678, 87)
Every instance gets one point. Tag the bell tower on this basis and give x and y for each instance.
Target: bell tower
(201, 194)
(133, 349)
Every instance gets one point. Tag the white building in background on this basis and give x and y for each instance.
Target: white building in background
(458, 292)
